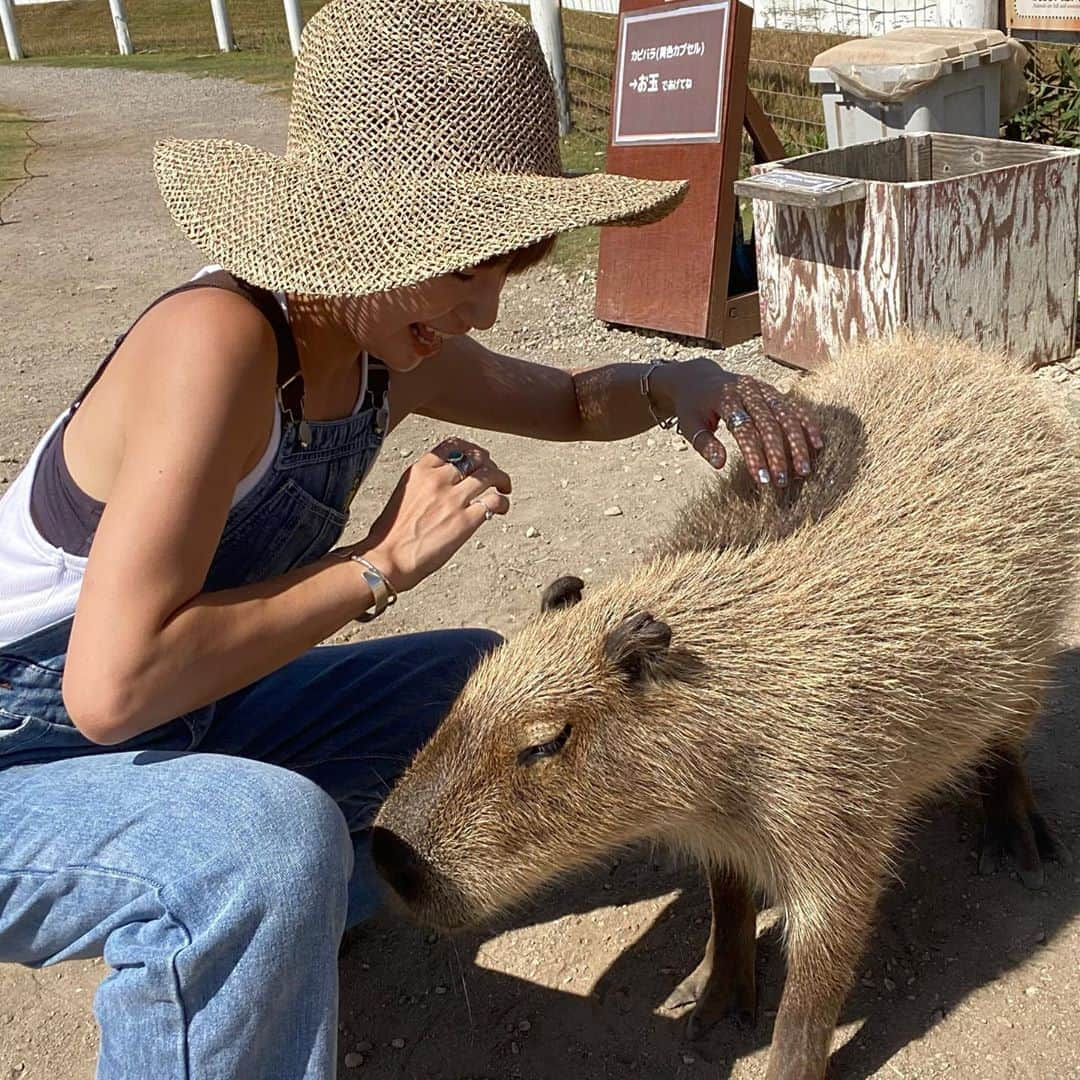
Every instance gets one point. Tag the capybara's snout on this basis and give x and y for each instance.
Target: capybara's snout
(398, 863)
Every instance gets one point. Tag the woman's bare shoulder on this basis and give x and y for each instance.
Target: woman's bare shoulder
(214, 331)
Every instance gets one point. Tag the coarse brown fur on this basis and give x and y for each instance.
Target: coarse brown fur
(781, 687)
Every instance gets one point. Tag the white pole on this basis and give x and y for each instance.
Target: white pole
(296, 24)
(979, 14)
(548, 26)
(226, 41)
(119, 18)
(11, 34)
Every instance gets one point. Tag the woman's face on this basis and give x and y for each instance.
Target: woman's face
(405, 327)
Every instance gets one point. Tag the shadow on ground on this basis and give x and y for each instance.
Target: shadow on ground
(609, 948)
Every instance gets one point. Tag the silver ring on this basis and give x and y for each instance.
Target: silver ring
(739, 418)
(461, 461)
(488, 512)
(693, 438)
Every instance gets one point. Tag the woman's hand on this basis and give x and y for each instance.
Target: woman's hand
(775, 433)
(434, 509)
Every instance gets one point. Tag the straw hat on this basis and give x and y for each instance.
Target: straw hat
(422, 140)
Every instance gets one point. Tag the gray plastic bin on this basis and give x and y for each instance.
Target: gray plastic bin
(917, 80)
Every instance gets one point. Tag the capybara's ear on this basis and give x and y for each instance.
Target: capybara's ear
(561, 593)
(637, 643)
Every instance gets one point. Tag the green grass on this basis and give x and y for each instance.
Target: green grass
(14, 144)
(170, 26)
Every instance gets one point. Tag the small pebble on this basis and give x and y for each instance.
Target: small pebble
(354, 1061)
(658, 478)
(688, 1059)
(524, 1025)
(613, 511)
(440, 989)
(532, 531)
(404, 451)
(364, 1047)
(1031, 991)
(398, 1044)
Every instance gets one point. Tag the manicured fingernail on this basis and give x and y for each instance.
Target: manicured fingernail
(763, 475)
(804, 468)
(781, 479)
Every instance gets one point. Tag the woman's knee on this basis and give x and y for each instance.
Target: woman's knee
(282, 837)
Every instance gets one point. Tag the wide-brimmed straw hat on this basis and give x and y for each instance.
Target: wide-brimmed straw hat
(422, 140)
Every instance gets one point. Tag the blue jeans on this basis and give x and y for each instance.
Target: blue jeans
(215, 865)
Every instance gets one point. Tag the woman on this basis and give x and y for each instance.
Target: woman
(185, 782)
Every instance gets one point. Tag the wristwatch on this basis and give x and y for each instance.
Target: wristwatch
(384, 593)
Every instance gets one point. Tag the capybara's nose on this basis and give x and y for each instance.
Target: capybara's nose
(397, 862)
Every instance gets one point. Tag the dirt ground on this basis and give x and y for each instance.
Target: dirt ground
(967, 976)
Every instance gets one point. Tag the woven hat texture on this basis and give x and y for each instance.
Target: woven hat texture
(422, 140)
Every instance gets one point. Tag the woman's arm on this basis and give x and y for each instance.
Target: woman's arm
(147, 644)
(469, 384)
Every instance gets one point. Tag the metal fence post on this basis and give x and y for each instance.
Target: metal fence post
(546, 20)
(226, 41)
(296, 23)
(11, 34)
(119, 18)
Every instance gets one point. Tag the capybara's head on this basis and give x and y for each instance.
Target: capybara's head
(552, 754)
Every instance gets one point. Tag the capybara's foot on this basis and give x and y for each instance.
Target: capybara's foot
(1013, 825)
(715, 994)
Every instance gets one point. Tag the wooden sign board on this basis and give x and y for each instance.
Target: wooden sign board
(1057, 16)
(679, 104)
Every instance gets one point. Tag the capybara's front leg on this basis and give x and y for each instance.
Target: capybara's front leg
(821, 966)
(724, 981)
(1012, 822)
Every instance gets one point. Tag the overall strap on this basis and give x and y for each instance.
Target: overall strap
(290, 381)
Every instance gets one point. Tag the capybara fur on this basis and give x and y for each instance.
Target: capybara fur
(781, 687)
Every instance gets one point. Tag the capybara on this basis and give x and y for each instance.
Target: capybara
(779, 689)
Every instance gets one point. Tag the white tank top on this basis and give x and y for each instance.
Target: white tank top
(40, 583)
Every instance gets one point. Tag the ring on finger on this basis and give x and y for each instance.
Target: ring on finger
(739, 418)
(488, 512)
(461, 461)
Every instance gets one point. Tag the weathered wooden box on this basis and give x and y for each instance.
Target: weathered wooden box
(976, 237)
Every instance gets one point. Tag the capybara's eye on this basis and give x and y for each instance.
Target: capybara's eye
(544, 750)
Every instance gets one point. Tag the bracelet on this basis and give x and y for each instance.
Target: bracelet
(646, 394)
(384, 593)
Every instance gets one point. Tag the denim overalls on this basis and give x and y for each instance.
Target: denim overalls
(215, 860)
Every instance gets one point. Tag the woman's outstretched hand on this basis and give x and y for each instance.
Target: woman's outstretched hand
(439, 502)
(776, 433)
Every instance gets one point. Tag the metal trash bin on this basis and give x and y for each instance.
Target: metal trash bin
(919, 79)
(948, 233)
